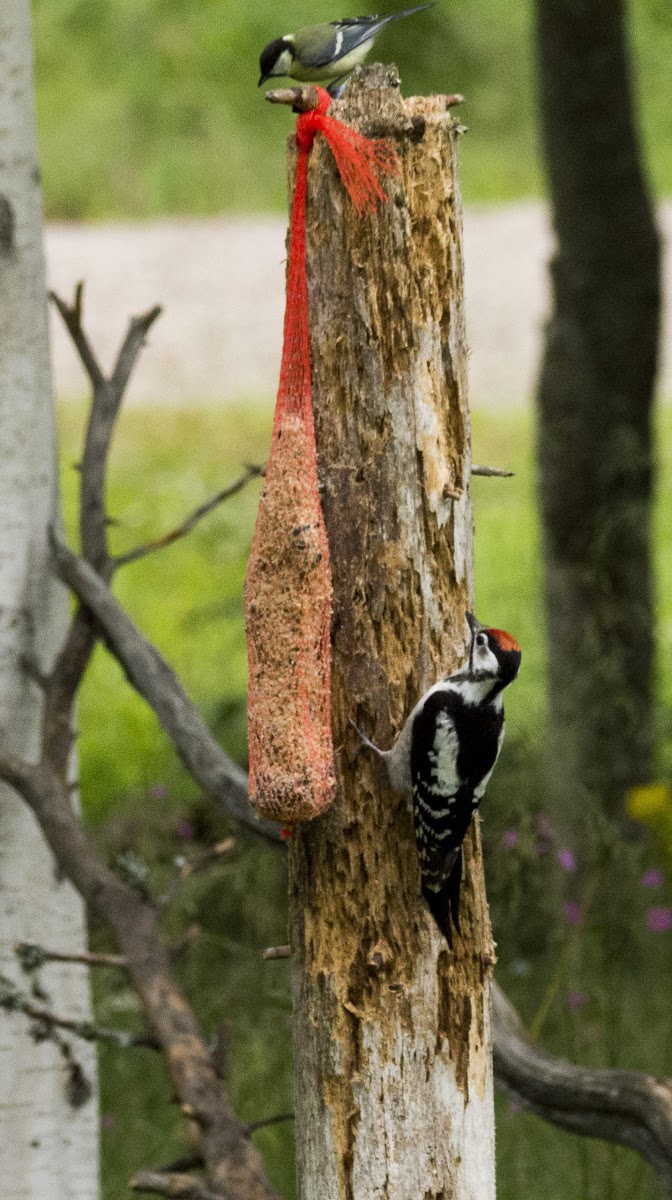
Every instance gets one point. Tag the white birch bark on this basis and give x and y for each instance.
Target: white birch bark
(48, 1149)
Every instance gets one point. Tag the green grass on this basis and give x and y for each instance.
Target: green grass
(150, 107)
(187, 598)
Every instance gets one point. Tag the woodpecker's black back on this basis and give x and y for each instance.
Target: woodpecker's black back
(454, 747)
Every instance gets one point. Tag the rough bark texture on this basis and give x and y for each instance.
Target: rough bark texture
(48, 1149)
(595, 398)
(392, 1032)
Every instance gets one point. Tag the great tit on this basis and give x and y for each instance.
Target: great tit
(318, 53)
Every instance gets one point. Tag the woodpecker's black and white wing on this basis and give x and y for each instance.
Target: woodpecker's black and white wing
(454, 747)
(442, 805)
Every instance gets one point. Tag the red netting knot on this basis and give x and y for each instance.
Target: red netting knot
(310, 123)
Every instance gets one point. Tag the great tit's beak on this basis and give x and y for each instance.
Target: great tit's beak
(263, 80)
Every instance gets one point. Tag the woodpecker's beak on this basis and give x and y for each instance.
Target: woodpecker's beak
(474, 624)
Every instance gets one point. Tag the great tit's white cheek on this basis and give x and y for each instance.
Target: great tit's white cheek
(284, 64)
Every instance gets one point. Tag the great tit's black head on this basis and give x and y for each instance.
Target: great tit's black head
(271, 56)
(494, 653)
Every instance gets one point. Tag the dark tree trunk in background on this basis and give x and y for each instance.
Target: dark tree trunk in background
(595, 412)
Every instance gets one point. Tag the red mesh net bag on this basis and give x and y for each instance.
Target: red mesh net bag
(288, 594)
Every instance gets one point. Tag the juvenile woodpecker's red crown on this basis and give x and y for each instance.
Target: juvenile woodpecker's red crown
(503, 639)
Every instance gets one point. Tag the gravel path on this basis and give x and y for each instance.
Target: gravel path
(221, 284)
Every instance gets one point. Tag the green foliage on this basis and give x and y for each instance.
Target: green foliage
(148, 107)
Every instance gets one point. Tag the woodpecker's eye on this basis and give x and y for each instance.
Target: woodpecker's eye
(482, 639)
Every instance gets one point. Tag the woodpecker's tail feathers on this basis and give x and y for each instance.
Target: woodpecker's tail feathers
(445, 905)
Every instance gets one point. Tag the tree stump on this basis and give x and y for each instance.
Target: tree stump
(392, 1031)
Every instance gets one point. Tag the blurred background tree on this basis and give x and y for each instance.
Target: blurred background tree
(595, 405)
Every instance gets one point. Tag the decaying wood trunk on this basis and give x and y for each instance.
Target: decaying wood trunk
(392, 1031)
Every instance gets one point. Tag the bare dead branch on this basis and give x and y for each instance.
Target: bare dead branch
(72, 319)
(105, 404)
(186, 1162)
(12, 999)
(202, 862)
(131, 347)
(158, 684)
(627, 1107)
(32, 956)
(497, 472)
(32, 668)
(253, 471)
(179, 1187)
(301, 99)
(266, 1122)
(273, 952)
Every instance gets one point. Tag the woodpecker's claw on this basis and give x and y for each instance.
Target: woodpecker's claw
(367, 744)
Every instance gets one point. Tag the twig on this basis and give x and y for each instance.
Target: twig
(497, 472)
(158, 684)
(627, 1107)
(32, 668)
(72, 319)
(202, 862)
(265, 1122)
(272, 952)
(253, 471)
(178, 1187)
(301, 99)
(12, 999)
(32, 957)
(186, 1162)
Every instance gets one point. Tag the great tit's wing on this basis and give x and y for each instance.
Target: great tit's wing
(320, 45)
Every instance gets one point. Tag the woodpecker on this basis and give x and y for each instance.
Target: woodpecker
(444, 757)
(327, 52)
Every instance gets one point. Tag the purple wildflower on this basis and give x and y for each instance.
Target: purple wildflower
(651, 878)
(573, 912)
(659, 919)
(544, 827)
(576, 1000)
(510, 839)
(567, 860)
(516, 1107)
(185, 831)
(158, 791)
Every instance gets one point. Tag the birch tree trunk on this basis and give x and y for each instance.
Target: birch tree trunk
(392, 1031)
(48, 1147)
